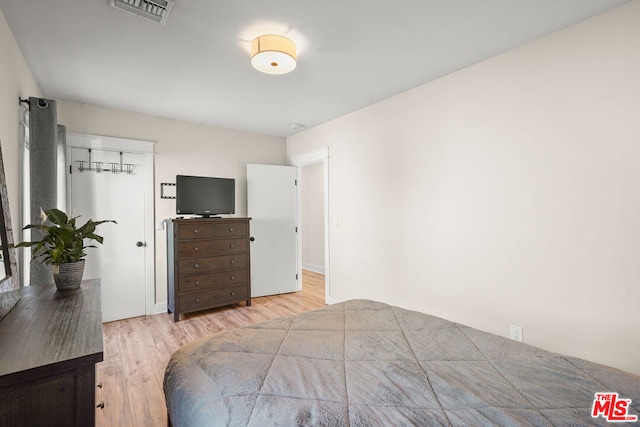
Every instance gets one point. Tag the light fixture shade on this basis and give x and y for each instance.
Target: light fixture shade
(273, 54)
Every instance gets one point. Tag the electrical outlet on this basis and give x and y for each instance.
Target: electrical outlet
(515, 333)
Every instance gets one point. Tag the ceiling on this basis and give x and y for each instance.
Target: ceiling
(196, 67)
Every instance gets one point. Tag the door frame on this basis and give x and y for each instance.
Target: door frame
(300, 161)
(146, 148)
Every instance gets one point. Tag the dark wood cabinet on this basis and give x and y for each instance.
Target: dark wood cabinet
(208, 264)
(49, 345)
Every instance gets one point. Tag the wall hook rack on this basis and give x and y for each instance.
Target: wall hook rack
(114, 167)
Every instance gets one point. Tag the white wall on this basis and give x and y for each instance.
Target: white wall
(312, 206)
(16, 81)
(181, 148)
(507, 193)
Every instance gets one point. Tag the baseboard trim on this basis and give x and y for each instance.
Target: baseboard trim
(312, 267)
(159, 308)
(332, 300)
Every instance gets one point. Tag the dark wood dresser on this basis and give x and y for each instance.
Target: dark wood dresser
(208, 264)
(49, 345)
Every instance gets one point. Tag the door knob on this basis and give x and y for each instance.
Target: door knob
(252, 238)
(140, 244)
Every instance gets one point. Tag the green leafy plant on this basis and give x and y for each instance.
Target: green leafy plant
(63, 241)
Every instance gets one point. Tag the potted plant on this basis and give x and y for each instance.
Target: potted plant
(62, 245)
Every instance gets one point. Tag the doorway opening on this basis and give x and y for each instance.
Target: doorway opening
(320, 158)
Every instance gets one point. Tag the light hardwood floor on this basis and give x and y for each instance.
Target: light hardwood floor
(136, 351)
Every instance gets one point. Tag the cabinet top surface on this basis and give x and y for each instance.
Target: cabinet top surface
(47, 327)
(198, 220)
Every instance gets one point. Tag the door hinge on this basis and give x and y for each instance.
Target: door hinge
(296, 276)
(295, 182)
(296, 229)
(70, 169)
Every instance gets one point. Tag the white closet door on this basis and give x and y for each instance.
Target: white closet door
(272, 206)
(120, 262)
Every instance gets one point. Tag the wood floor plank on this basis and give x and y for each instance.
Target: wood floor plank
(136, 351)
(147, 405)
(157, 349)
(110, 340)
(113, 393)
(134, 343)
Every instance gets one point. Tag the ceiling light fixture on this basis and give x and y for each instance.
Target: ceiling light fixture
(273, 54)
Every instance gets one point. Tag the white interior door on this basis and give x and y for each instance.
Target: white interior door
(272, 206)
(120, 262)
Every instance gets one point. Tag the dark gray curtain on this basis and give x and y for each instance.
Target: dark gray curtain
(61, 147)
(44, 170)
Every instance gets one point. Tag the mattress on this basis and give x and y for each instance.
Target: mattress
(365, 363)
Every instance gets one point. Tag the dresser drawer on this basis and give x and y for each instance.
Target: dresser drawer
(202, 282)
(195, 231)
(216, 297)
(202, 265)
(195, 248)
(231, 229)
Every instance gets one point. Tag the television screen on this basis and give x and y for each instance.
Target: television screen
(206, 196)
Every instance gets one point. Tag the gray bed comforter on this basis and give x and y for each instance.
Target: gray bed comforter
(364, 363)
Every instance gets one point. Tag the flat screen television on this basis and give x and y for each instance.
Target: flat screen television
(205, 196)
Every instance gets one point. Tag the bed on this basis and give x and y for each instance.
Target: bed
(365, 363)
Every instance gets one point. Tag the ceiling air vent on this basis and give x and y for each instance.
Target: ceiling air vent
(155, 10)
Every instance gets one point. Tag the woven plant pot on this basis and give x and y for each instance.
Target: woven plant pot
(68, 276)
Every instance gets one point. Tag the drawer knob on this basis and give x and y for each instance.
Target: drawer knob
(195, 231)
(197, 299)
(231, 230)
(232, 261)
(233, 294)
(197, 282)
(233, 277)
(232, 245)
(196, 249)
(196, 265)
